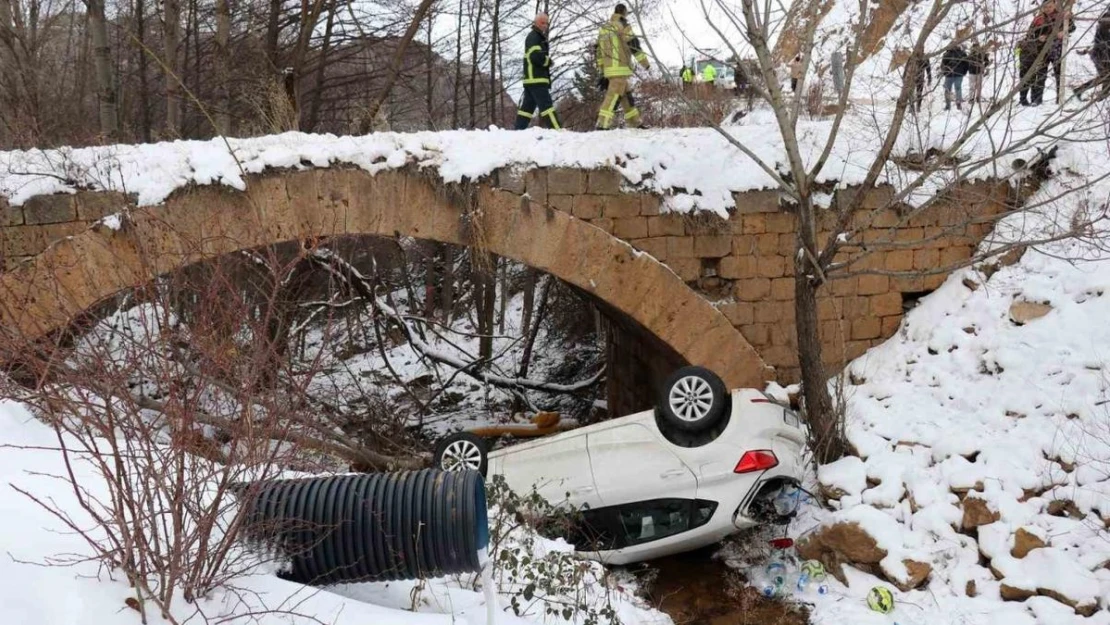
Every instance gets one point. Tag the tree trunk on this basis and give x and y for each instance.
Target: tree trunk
(534, 331)
(503, 287)
(493, 45)
(273, 30)
(448, 294)
(429, 62)
(458, 72)
(144, 86)
(474, 63)
(825, 424)
(395, 66)
(529, 297)
(223, 68)
(171, 29)
(430, 279)
(322, 63)
(105, 77)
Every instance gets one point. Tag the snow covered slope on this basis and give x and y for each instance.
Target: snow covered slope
(981, 425)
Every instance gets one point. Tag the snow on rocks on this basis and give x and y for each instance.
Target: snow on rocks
(867, 538)
(982, 430)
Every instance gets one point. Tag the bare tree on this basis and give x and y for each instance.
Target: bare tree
(171, 35)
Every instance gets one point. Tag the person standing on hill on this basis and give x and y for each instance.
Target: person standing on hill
(537, 79)
(922, 74)
(1045, 29)
(617, 46)
(796, 73)
(1100, 56)
(837, 60)
(977, 62)
(687, 78)
(953, 68)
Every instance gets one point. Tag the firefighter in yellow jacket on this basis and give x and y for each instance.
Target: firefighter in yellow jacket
(616, 48)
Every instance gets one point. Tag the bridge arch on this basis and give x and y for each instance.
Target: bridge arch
(204, 222)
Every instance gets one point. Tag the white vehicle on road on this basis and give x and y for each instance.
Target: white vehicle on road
(704, 464)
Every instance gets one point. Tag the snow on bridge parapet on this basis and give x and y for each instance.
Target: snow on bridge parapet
(692, 169)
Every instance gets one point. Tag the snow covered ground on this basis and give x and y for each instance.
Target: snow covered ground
(77, 592)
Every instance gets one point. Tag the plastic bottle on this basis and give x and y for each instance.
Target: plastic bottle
(776, 573)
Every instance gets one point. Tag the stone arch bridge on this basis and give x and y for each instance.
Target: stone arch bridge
(709, 291)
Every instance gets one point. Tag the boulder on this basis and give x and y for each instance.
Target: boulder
(1024, 542)
(848, 543)
(1084, 609)
(1022, 312)
(976, 513)
(1013, 593)
(919, 572)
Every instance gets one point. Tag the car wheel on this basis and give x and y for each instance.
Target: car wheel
(462, 452)
(694, 399)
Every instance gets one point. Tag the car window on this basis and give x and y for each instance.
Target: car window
(593, 531)
(651, 520)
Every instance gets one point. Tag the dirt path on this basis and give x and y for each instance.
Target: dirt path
(697, 589)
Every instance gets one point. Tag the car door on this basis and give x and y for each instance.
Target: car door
(631, 463)
(558, 468)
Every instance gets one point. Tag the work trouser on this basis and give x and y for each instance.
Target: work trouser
(976, 86)
(537, 97)
(1033, 77)
(618, 93)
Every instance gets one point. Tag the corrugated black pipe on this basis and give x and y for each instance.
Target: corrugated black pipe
(371, 527)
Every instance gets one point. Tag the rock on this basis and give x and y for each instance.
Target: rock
(839, 543)
(1083, 610)
(919, 573)
(970, 589)
(1023, 312)
(1064, 507)
(976, 513)
(1012, 593)
(1024, 542)
(848, 543)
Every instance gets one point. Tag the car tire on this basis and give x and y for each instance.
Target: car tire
(693, 400)
(462, 451)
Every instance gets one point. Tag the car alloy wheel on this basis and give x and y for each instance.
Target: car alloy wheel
(691, 398)
(461, 455)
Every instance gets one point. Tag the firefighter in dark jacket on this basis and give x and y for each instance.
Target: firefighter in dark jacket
(537, 79)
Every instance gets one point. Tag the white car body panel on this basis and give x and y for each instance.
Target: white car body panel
(627, 460)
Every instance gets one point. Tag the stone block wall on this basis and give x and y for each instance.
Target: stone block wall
(745, 264)
(27, 230)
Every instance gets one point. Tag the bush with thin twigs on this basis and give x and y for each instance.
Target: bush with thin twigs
(175, 419)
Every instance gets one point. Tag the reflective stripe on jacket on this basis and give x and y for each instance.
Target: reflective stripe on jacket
(616, 47)
(537, 64)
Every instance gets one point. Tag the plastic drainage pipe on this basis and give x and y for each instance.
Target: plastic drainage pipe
(371, 527)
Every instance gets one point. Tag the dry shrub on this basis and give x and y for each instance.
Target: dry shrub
(168, 408)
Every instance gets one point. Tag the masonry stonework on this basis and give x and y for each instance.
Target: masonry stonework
(743, 265)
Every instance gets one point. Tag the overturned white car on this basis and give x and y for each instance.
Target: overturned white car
(704, 464)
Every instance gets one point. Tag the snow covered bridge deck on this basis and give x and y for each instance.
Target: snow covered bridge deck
(715, 283)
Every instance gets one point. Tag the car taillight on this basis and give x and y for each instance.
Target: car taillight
(782, 543)
(759, 460)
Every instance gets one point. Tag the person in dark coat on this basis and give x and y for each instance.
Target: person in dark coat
(537, 79)
(1100, 56)
(1045, 30)
(953, 68)
(918, 66)
(977, 62)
